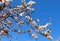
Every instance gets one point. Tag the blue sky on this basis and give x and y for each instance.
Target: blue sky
(43, 10)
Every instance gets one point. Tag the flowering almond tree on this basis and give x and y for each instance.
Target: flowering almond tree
(20, 15)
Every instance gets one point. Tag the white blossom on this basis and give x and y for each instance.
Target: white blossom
(19, 31)
(9, 22)
(10, 10)
(21, 14)
(5, 1)
(34, 23)
(31, 3)
(39, 28)
(47, 32)
(44, 26)
(34, 35)
(19, 7)
(49, 37)
(9, 0)
(28, 18)
(32, 9)
(20, 23)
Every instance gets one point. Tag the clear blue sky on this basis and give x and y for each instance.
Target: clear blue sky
(43, 10)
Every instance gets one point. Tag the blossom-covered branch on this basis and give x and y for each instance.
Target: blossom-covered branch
(20, 15)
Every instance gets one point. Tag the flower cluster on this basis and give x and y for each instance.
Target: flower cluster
(20, 15)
